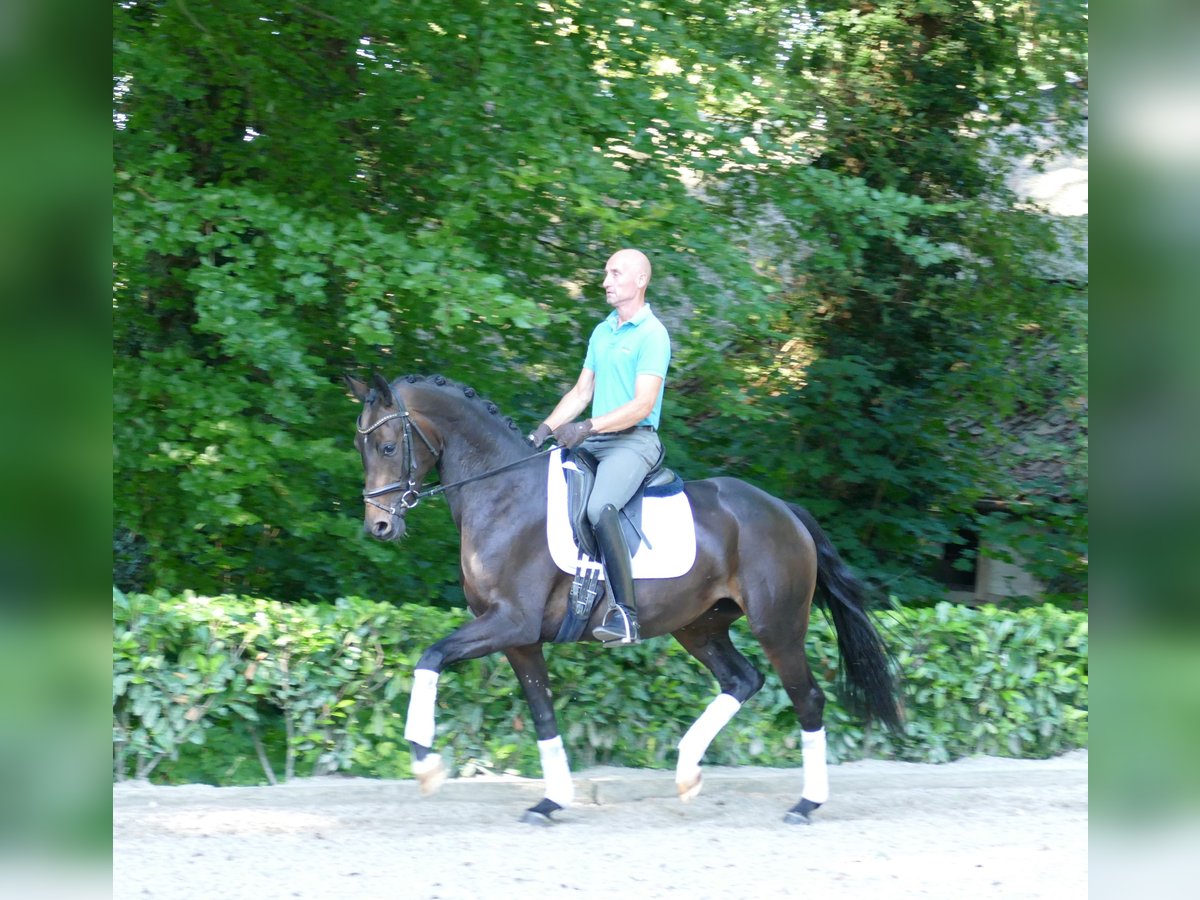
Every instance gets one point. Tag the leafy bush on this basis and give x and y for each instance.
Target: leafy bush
(240, 690)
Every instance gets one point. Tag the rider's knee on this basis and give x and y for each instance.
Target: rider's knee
(596, 510)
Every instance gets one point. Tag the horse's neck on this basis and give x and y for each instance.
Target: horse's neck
(476, 442)
(468, 456)
(492, 501)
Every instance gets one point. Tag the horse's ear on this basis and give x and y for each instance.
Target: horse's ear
(358, 388)
(383, 389)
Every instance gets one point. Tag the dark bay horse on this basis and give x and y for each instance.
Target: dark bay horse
(757, 557)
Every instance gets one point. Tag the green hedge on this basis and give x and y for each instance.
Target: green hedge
(232, 690)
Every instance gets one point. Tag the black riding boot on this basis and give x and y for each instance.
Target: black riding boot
(620, 624)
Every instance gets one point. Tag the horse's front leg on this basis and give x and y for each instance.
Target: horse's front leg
(530, 665)
(492, 632)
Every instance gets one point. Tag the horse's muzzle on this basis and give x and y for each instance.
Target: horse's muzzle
(384, 527)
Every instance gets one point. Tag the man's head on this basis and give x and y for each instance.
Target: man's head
(625, 278)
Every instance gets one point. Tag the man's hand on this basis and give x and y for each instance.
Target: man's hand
(538, 436)
(573, 434)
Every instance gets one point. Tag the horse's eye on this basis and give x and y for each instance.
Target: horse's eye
(389, 449)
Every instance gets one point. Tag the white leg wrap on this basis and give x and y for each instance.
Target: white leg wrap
(816, 775)
(559, 786)
(418, 728)
(700, 735)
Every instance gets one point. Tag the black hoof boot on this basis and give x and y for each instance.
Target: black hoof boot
(620, 628)
(540, 814)
(800, 814)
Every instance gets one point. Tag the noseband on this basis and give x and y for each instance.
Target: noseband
(411, 496)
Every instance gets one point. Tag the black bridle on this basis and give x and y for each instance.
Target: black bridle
(411, 495)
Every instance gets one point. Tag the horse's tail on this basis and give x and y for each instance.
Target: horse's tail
(869, 688)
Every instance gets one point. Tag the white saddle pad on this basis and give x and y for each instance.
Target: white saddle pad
(666, 521)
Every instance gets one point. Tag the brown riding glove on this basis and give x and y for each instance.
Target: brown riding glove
(538, 436)
(573, 434)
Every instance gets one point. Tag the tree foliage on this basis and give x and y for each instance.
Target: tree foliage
(304, 189)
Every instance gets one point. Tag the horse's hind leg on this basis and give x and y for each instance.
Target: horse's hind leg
(530, 665)
(785, 649)
(707, 639)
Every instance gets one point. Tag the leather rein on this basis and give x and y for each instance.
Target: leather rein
(412, 495)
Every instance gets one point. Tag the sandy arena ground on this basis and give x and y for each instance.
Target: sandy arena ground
(978, 828)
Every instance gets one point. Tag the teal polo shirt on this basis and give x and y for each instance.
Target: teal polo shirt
(618, 354)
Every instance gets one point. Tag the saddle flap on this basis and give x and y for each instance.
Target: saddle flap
(579, 469)
(666, 521)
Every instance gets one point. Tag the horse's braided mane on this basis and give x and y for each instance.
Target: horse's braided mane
(468, 392)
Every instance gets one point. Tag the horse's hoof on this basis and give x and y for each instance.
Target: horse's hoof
(690, 790)
(542, 820)
(540, 814)
(430, 773)
(801, 813)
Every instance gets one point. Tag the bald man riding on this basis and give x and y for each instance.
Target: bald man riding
(623, 377)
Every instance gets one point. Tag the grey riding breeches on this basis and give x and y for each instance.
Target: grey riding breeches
(625, 460)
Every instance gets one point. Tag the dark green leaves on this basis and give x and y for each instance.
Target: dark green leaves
(324, 688)
(421, 188)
